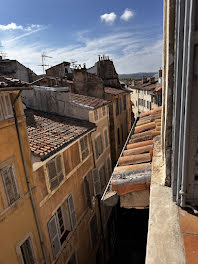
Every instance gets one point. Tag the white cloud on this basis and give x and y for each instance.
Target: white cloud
(11, 26)
(127, 14)
(108, 18)
(14, 26)
(130, 51)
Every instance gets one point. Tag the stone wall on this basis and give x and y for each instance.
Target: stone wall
(88, 84)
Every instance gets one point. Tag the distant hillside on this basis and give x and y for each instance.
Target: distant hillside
(137, 75)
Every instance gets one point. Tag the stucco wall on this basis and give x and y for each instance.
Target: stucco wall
(16, 221)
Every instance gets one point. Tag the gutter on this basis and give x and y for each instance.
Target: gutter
(27, 177)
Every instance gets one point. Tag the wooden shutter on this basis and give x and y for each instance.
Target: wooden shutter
(106, 138)
(94, 231)
(96, 182)
(102, 176)
(8, 106)
(87, 192)
(59, 168)
(66, 216)
(10, 184)
(27, 252)
(100, 144)
(54, 237)
(53, 179)
(71, 210)
(96, 147)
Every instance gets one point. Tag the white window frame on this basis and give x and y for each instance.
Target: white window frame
(31, 246)
(58, 173)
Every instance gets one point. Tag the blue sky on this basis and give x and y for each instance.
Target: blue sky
(129, 31)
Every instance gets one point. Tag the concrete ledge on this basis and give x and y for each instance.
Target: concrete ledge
(164, 242)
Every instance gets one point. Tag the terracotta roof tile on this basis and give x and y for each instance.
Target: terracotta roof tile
(113, 91)
(87, 101)
(49, 133)
(134, 168)
(11, 82)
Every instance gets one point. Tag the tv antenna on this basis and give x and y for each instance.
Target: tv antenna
(73, 63)
(43, 57)
(2, 53)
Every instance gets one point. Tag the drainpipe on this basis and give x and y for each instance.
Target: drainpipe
(28, 180)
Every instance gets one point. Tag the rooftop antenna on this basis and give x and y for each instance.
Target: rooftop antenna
(43, 57)
(73, 63)
(2, 53)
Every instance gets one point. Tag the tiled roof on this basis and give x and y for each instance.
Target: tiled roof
(146, 86)
(87, 101)
(11, 82)
(49, 133)
(134, 168)
(113, 91)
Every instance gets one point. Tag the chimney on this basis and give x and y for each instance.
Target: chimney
(144, 80)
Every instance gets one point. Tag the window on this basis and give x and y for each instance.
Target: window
(87, 189)
(104, 110)
(96, 181)
(5, 107)
(62, 222)
(102, 176)
(148, 104)
(55, 172)
(120, 105)
(98, 146)
(72, 260)
(138, 91)
(84, 147)
(106, 138)
(96, 115)
(27, 252)
(108, 166)
(93, 231)
(136, 103)
(122, 131)
(144, 103)
(124, 102)
(118, 136)
(10, 184)
(117, 106)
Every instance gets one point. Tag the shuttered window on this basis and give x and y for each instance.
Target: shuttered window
(84, 147)
(102, 176)
(87, 191)
(120, 105)
(109, 167)
(93, 231)
(96, 115)
(124, 102)
(98, 146)
(27, 252)
(118, 136)
(71, 210)
(5, 107)
(54, 236)
(96, 182)
(117, 106)
(55, 172)
(62, 222)
(104, 110)
(9, 182)
(106, 138)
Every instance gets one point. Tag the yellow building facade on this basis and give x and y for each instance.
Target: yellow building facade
(19, 235)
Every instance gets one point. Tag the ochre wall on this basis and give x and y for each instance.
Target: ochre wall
(16, 221)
